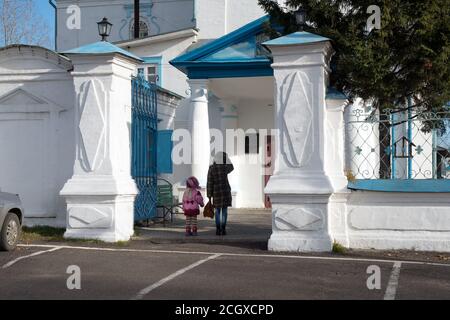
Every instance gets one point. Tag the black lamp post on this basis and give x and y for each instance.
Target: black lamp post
(300, 18)
(104, 28)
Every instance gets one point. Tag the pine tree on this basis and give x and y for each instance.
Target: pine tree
(408, 57)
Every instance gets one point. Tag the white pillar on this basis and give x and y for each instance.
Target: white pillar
(334, 169)
(229, 115)
(305, 178)
(100, 195)
(200, 129)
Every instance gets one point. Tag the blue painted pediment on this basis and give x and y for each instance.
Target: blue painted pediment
(237, 54)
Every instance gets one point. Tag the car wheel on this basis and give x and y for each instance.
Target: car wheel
(10, 232)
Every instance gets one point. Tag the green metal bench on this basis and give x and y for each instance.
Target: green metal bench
(166, 200)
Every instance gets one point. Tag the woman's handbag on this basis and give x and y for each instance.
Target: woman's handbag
(208, 212)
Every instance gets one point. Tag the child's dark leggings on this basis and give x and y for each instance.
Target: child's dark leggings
(191, 223)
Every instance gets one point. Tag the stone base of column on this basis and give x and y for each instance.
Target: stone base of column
(299, 242)
(100, 209)
(300, 223)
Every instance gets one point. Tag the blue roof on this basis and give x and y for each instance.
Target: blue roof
(221, 43)
(236, 54)
(102, 47)
(334, 94)
(301, 37)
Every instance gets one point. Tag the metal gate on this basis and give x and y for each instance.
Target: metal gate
(144, 140)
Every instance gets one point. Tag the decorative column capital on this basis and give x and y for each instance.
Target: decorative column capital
(199, 90)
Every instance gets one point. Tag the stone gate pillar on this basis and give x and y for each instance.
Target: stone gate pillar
(100, 195)
(307, 167)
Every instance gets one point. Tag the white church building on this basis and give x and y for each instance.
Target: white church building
(76, 129)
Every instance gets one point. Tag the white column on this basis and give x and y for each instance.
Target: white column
(305, 176)
(200, 129)
(229, 115)
(100, 195)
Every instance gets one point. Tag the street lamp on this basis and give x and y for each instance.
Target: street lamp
(300, 18)
(104, 28)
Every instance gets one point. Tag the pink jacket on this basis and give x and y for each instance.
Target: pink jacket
(192, 198)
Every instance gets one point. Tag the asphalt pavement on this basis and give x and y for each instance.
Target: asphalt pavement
(226, 271)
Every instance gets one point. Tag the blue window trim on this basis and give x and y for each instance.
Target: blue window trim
(399, 185)
(155, 60)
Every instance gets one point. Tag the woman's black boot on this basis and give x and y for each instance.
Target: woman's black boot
(224, 230)
(218, 233)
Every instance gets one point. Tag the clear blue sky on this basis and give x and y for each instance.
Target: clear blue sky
(47, 13)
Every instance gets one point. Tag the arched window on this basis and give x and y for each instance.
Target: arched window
(143, 29)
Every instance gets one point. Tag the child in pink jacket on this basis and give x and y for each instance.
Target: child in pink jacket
(192, 201)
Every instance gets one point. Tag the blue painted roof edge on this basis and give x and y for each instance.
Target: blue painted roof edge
(101, 47)
(397, 185)
(333, 93)
(296, 38)
(220, 43)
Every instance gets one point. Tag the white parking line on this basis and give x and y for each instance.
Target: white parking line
(391, 289)
(303, 257)
(9, 264)
(152, 287)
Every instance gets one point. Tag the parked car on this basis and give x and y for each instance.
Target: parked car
(11, 217)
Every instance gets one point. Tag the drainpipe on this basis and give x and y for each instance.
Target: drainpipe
(194, 16)
(137, 17)
(56, 23)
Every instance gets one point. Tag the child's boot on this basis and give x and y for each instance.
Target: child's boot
(194, 231)
(188, 231)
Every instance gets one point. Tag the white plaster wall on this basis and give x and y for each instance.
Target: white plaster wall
(216, 18)
(36, 130)
(390, 220)
(165, 16)
(249, 173)
(172, 79)
(241, 12)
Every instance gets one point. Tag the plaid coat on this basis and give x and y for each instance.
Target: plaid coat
(218, 186)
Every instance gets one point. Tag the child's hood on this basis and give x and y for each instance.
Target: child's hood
(192, 183)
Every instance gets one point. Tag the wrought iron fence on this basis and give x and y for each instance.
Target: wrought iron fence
(143, 138)
(397, 144)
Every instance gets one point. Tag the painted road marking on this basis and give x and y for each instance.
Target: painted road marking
(241, 255)
(156, 285)
(9, 264)
(391, 289)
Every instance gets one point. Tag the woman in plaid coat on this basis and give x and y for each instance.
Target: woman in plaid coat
(218, 188)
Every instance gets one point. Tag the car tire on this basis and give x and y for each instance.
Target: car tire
(10, 233)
